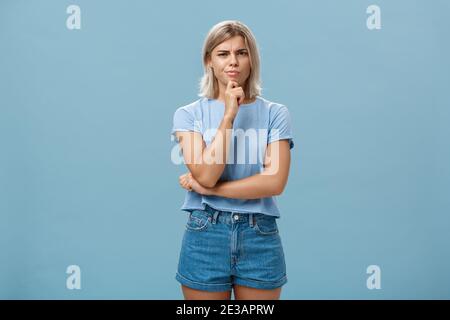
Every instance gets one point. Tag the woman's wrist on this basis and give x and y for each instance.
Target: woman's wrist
(210, 191)
(228, 118)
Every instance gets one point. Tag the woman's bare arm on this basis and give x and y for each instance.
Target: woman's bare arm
(206, 164)
(270, 182)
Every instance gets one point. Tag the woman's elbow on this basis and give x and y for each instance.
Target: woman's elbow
(277, 192)
(207, 182)
(279, 188)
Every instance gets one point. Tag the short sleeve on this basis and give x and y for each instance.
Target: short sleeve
(280, 125)
(184, 120)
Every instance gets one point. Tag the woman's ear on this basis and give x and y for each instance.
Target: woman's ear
(208, 62)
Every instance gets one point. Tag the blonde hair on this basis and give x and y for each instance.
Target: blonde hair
(219, 33)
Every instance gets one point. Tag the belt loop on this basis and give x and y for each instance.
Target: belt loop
(214, 220)
(250, 219)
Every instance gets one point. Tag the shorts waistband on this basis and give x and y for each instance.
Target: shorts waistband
(226, 216)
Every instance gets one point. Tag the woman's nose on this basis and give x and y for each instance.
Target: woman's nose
(234, 60)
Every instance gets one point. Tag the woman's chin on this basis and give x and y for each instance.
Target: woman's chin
(233, 79)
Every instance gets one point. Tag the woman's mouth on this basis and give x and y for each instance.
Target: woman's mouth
(232, 73)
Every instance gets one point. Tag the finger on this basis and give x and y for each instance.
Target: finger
(185, 186)
(241, 99)
(238, 91)
(232, 84)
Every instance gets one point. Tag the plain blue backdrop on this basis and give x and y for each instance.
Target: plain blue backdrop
(86, 176)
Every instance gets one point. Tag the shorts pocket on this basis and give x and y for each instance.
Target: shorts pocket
(198, 221)
(265, 225)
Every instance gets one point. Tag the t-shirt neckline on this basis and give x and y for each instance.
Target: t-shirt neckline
(242, 105)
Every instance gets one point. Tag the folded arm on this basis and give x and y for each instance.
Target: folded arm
(270, 182)
(206, 164)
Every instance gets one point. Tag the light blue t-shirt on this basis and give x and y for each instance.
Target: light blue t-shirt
(255, 126)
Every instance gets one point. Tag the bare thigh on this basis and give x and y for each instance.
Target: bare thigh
(247, 293)
(193, 294)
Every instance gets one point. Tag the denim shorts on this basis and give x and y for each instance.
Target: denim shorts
(222, 248)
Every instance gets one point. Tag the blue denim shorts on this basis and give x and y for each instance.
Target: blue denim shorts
(222, 248)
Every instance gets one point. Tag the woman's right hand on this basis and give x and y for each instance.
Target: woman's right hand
(188, 182)
(234, 96)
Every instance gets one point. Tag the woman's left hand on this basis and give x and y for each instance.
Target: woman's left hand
(188, 182)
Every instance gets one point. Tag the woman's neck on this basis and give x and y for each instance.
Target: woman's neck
(246, 100)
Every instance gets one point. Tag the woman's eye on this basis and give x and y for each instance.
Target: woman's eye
(225, 54)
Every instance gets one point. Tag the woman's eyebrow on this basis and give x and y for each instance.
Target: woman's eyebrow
(242, 49)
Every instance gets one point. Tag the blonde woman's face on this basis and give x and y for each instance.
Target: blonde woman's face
(231, 55)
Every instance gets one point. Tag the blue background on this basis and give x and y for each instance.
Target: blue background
(85, 118)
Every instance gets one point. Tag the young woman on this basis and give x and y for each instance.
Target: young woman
(236, 146)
